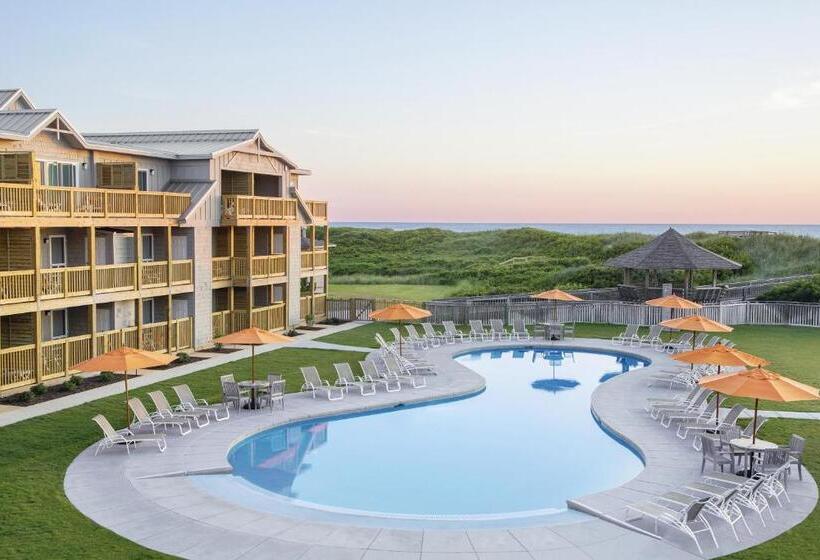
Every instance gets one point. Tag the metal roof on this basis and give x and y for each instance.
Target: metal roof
(23, 123)
(186, 143)
(7, 96)
(672, 251)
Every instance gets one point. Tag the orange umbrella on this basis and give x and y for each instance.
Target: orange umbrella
(253, 337)
(759, 383)
(695, 323)
(399, 312)
(720, 355)
(673, 302)
(125, 359)
(555, 296)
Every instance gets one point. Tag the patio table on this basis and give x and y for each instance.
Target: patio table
(748, 447)
(256, 387)
(552, 329)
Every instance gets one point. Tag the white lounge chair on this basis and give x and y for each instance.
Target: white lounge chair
(477, 331)
(498, 331)
(314, 382)
(709, 425)
(435, 338)
(143, 418)
(188, 402)
(396, 371)
(346, 380)
(414, 337)
(125, 437)
(371, 373)
(166, 411)
(451, 330)
(653, 337)
(689, 520)
(680, 344)
(628, 337)
(519, 330)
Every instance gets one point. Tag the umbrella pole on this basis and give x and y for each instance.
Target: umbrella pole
(127, 411)
(754, 425)
(253, 363)
(717, 408)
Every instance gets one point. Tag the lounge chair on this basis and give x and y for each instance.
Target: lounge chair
(497, 330)
(346, 380)
(143, 418)
(314, 382)
(689, 519)
(712, 341)
(417, 340)
(709, 425)
(700, 340)
(166, 411)
(693, 415)
(653, 337)
(125, 437)
(435, 338)
(451, 330)
(188, 402)
(519, 330)
(477, 331)
(396, 371)
(677, 401)
(371, 373)
(682, 343)
(692, 404)
(628, 337)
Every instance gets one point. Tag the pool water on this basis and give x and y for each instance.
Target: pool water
(526, 444)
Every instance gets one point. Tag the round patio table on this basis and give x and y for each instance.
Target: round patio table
(553, 330)
(255, 387)
(749, 448)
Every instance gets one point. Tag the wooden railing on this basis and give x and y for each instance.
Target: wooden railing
(18, 366)
(314, 259)
(111, 340)
(319, 305)
(182, 334)
(65, 282)
(269, 318)
(154, 336)
(239, 207)
(116, 277)
(221, 323)
(17, 286)
(268, 265)
(221, 268)
(304, 307)
(17, 200)
(318, 208)
(59, 356)
(182, 272)
(154, 274)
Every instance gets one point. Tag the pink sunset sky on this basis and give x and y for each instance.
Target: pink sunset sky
(643, 112)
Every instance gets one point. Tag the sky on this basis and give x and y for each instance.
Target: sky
(612, 112)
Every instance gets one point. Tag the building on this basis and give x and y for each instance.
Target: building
(162, 240)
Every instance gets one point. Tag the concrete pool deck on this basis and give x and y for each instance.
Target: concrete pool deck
(148, 498)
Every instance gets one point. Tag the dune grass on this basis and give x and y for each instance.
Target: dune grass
(404, 292)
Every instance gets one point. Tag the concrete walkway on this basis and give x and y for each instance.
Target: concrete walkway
(11, 415)
(149, 498)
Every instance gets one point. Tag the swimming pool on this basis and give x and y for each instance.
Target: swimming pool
(521, 447)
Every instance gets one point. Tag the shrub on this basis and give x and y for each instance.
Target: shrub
(25, 396)
(76, 379)
(807, 290)
(291, 332)
(183, 358)
(310, 319)
(218, 346)
(68, 386)
(38, 390)
(107, 376)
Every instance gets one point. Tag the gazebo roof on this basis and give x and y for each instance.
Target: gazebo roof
(672, 251)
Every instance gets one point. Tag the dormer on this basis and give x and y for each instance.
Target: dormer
(15, 100)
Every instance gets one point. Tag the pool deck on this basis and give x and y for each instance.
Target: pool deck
(147, 497)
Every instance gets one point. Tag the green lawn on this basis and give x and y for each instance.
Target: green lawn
(404, 292)
(36, 519)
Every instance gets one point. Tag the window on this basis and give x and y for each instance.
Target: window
(58, 174)
(306, 286)
(142, 179)
(59, 323)
(56, 251)
(147, 311)
(117, 175)
(16, 167)
(147, 247)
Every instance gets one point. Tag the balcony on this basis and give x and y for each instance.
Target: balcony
(315, 305)
(265, 266)
(314, 259)
(269, 317)
(318, 208)
(248, 210)
(69, 202)
(65, 282)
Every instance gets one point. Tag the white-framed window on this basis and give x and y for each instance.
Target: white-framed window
(142, 179)
(59, 323)
(147, 311)
(57, 249)
(58, 174)
(147, 247)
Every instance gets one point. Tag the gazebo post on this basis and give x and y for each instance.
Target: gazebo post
(714, 277)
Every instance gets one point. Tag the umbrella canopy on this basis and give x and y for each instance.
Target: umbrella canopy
(759, 383)
(673, 302)
(253, 336)
(125, 359)
(697, 323)
(400, 312)
(557, 295)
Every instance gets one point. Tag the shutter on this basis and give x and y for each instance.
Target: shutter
(117, 175)
(16, 167)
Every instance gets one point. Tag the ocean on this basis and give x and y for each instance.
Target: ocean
(811, 230)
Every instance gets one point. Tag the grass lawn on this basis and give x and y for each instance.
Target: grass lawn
(36, 519)
(405, 292)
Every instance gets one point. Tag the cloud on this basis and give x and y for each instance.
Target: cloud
(795, 97)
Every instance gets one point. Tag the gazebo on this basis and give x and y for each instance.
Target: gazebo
(669, 251)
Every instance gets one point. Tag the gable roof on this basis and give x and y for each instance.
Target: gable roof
(24, 123)
(9, 96)
(672, 251)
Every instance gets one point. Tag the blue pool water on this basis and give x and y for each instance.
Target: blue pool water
(525, 444)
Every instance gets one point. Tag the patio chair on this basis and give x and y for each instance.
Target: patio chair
(689, 520)
(396, 371)
(314, 382)
(569, 330)
(188, 402)
(125, 437)
(166, 411)
(796, 447)
(477, 331)
(143, 418)
(519, 330)
(275, 392)
(628, 337)
(346, 380)
(498, 331)
(233, 395)
(653, 337)
(749, 490)
(371, 373)
(435, 338)
(710, 452)
(229, 378)
(414, 337)
(774, 484)
(451, 330)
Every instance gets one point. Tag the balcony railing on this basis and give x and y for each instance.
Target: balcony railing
(182, 272)
(264, 266)
(269, 318)
(65, 282)
(59, 356)
(116, 277)
(318, 208)
(268, 265)
(18, 366)
(155, 335)
(221, 268)
(111, 340)
(315, 305)
(154, 274)
(28, 201)
(314, 259)
(17, 286)
(239, 207)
